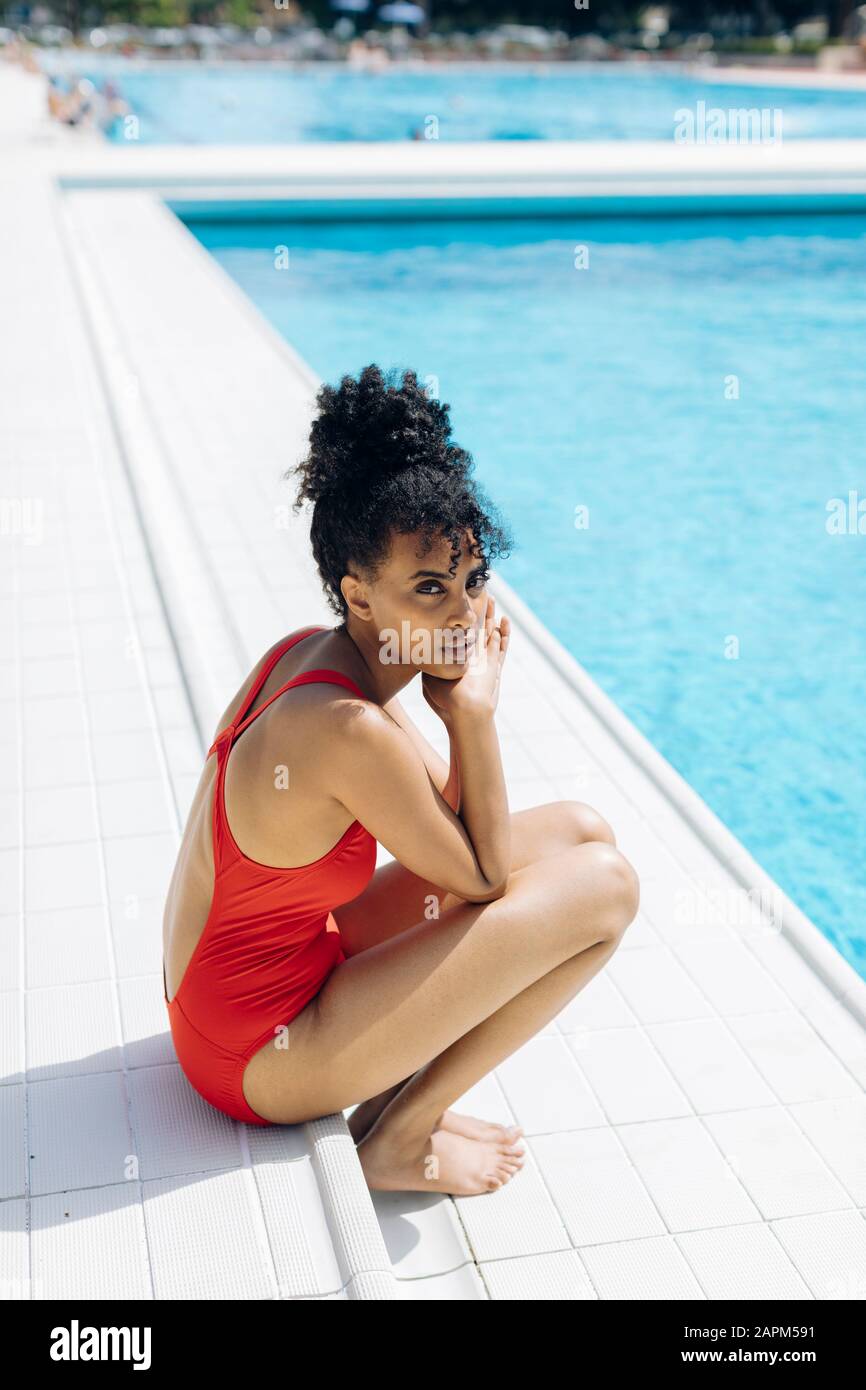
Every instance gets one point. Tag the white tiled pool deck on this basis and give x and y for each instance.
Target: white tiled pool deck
(695, 1119)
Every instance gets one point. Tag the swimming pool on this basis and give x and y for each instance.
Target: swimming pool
(699, 388)
(263, 104)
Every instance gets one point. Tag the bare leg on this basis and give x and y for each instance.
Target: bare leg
(536, 833)
(414, 1112)
(391, 1010)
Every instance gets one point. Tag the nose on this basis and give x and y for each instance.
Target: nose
(465, 618)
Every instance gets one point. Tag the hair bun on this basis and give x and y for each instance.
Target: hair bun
(372, 427)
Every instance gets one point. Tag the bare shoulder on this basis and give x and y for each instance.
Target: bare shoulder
(365, 746)
(243, 691)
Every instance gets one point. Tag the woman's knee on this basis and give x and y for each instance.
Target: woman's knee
(583, 823)
(614, 885)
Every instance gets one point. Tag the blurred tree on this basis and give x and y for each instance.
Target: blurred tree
(756, 17)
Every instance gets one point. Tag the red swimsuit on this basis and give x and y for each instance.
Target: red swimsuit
(270, 940)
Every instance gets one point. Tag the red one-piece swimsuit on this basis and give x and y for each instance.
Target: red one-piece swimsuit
(270, 940)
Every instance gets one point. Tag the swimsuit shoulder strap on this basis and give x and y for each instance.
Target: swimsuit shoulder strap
(267, 668)
(323, 674)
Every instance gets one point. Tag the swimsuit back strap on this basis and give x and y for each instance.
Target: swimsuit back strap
(279, 652)
(323, 675)
(222, 839)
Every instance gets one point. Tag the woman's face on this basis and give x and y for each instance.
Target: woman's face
(426, 616)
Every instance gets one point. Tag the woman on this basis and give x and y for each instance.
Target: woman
(300, 980)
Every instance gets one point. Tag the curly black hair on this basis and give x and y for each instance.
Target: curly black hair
(381, 460)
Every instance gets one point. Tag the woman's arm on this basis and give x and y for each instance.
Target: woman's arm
(376, 771)
(445, 776)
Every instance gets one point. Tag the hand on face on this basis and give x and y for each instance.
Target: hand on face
(474, 690)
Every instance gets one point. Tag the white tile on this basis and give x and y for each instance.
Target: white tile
(486, 1101)
(49, 676)
(144, 1022)
(58, 876)
(640, 1270)
(13, 1162)
(656, 987)
(792, 1058)
(558, 754)
(730, 977)
(777, 1165)
(598, 1005)
(520, 1218)
(78, 1132)
(837, 1128)
(10, 951)
(57, 762)
(556, 1277)
(134, 807)
(109, 670)
(51, 718)
(627, 1075)
(67, 947)
(10, 820)
(90, 1244)
(689, 1179)
(829, 1252)
(710, 1066)
(117, 757)
(839, 1029)
(72, 1029)
(546, 1089)
(524, 793)
(139, 866)
(119, 711)
(743, 1263)
(192, 1222)
(59, 815)
(597, 1190)
(136, 929)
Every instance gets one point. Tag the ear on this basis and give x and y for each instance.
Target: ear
(354, 591)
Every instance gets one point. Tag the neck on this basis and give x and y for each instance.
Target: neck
(383, 679)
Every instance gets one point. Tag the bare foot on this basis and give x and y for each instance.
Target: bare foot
(479, 1129)
(365, 1115)
(448, 1163)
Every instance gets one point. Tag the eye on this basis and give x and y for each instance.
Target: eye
(479, 578)
(430, 586)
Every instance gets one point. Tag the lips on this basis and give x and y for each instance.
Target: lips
(458, 647)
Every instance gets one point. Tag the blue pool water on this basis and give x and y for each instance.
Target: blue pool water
(606, 387)
(202, 104)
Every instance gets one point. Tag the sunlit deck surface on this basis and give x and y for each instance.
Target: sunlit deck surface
(694, 1119)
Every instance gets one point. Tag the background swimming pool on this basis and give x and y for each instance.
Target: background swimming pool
(259, 104)
(606, 387)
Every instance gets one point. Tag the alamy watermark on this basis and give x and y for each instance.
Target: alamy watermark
(441, 647)
(754, 125)
(846, 518)
(22, 516)
(745, 909)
